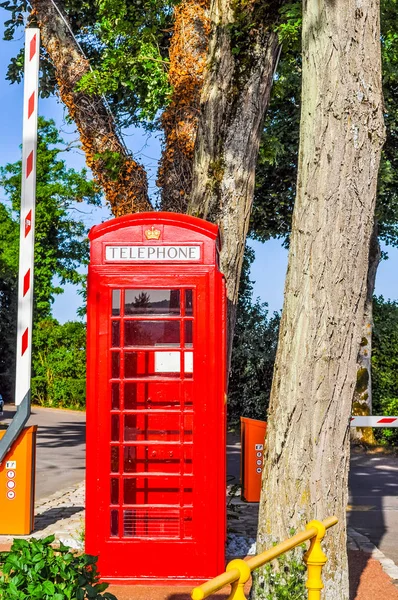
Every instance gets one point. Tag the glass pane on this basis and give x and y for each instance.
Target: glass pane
(188, 460)
(153, 426)
(188, 427)
(152, 362)
(130, 396)
(129, 523)
(130, 428)
(188, 303)
(114, 523)
(153, 523)
(114, 459)
(115, 428)
(130, 364)
(151, 395)
(114, 491)
(188, 393)
(115, 365)
(115, 303)
(188, 333)
(115, 334)
(188, 364)
(129, 494)
(188, 529)
(152, 302)
(156, 490)
(162, 458)
(157, 523)
(129, 461)
(151, 333)
(115, 396)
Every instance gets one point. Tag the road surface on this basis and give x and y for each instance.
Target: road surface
(373, 501)
(61, 443)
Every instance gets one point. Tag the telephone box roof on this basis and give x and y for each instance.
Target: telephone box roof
(167, 218)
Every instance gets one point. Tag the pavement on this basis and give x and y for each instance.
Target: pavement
(373, 573)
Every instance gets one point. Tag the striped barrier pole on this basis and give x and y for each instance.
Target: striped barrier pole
(27, 223)
(26, 242)
(374, 422)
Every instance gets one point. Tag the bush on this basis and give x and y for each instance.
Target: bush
(35, 570)
(59, 364)
(253, 353)
(385, 365)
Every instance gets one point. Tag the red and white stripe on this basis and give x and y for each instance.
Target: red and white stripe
(27, 226)
(374, 422)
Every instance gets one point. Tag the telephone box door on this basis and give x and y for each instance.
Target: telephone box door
(158, 449)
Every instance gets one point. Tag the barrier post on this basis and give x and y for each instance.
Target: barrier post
(237, 587)
(315, 559)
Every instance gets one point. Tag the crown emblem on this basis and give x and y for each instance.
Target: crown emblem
(152, 233)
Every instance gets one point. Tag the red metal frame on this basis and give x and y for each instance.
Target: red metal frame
(156, 372)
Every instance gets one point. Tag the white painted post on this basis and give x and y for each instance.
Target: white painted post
(27, 225)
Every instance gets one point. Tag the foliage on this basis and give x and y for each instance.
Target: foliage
(385, 364)
(285, 582)
(34, 570)
(127, 45)
(60, 240)
(253, 353)
(59, 364)
(8, 300)
(278, 158)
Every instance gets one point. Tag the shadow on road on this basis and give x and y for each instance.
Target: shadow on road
(52, 515)
(62, 434)
(372, 481)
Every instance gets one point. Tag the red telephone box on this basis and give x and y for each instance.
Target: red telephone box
(156, 372)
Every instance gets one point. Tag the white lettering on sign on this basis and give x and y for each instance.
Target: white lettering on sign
(11, 464)
(259, 447)
(155, 253)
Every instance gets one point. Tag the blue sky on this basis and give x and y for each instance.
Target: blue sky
(269, 268)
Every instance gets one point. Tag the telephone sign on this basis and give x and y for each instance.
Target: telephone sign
(155, 504)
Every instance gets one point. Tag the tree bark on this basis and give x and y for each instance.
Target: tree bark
(341, 136)
(188, 54)
(234, 99)
(362, 401)
(123, 180)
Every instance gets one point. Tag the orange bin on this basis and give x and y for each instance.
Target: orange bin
(252, 437)
(17, 485)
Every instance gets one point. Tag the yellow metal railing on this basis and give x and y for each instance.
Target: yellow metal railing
(238, 571)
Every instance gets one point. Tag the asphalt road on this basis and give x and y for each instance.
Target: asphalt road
(373, 501)
(373, 482)
(61, 443)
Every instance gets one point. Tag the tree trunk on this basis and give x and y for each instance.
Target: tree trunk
(362, 402)
(188, 54)
(123, 180)
(341, 136)
(235, 96)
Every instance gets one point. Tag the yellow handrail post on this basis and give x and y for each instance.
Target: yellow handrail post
(237, 586)
(315, 559)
